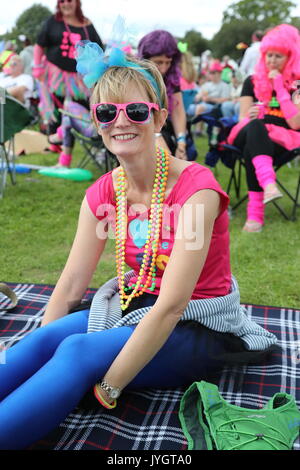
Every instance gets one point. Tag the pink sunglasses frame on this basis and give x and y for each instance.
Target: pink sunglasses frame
(122, 106)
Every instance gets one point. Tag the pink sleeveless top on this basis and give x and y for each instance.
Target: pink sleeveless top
(215, 278)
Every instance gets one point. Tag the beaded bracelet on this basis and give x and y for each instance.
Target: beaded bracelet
(101, 400)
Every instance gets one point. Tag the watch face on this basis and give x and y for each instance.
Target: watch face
(114, 394)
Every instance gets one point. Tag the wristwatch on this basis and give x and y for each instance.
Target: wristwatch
(112, 392)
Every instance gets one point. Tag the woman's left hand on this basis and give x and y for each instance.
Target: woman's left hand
(181, 151)
(253, 112)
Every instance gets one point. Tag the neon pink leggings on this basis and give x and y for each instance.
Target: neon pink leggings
(255, 206)
(65, 159)
(264, 170)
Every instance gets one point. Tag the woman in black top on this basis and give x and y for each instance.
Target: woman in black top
(54, 60)
(269, 118)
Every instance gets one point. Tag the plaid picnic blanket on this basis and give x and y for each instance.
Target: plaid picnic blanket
(147, 419)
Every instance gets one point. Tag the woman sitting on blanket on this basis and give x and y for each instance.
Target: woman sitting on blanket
(269, 118)
(171, 228)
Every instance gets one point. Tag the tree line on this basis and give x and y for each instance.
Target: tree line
(239, 21)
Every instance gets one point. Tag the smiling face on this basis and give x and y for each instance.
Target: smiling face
(275, 60)
(67, 7)
(124, 137)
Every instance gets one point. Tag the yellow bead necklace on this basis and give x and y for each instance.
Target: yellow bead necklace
(147, 273)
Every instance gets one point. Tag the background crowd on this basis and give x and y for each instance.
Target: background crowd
(43, 77)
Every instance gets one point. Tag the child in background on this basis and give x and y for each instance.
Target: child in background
(231, 108)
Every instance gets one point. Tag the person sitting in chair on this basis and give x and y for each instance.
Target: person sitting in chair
(231, 108)
(75, 116)
(269, 118)
(17, 83)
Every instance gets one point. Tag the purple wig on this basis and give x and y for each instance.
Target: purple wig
(286, 40)
(161, 42)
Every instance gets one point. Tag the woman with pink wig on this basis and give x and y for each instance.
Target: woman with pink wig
(269, 118)
(55, 64)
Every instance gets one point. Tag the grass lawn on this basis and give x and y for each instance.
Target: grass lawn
(38, 218)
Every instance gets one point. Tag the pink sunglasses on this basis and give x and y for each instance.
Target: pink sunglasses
(137, 112)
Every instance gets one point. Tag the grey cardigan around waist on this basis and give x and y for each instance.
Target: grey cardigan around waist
(223, 314)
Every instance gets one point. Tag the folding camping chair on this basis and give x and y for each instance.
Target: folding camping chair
(14, 116)
(233, 158)
(188, 97)
(96, 152)
(93, 147)
(218, 129)
(235, 179)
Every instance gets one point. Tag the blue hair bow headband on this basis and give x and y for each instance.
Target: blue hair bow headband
(92, 62)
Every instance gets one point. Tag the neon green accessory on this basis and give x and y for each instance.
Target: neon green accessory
(211, 423)
(274, 103)
(226, 74)
(182, 46)
(75, 174)
(5, 57)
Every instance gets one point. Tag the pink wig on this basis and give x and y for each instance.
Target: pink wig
(286, 40)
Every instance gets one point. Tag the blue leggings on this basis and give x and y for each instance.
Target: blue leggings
(49, 371)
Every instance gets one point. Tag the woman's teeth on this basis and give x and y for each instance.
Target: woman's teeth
(124, 137)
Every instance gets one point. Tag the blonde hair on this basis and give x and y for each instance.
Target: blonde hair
(113, 84)
(187, 67)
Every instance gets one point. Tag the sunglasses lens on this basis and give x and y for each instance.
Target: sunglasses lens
(137, 112)
(106, 112)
